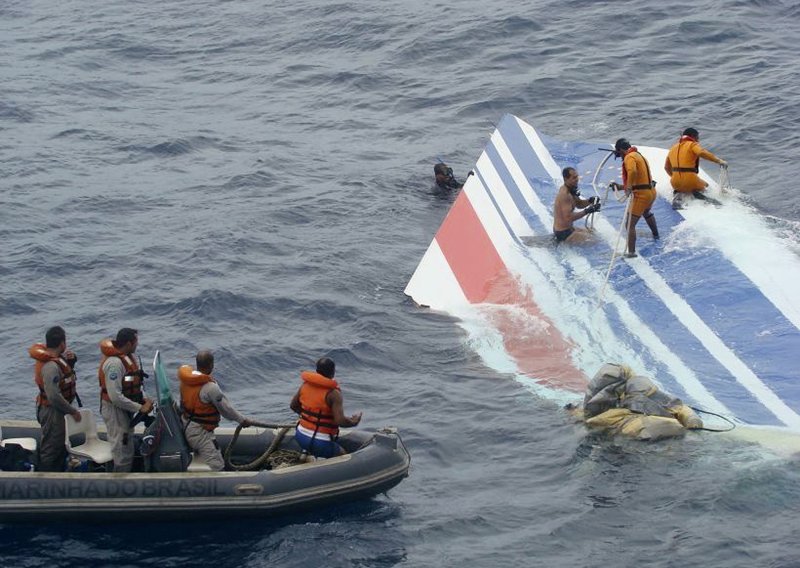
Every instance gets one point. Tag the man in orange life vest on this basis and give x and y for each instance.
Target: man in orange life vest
(202, 405)
(683, 165)
(636, 180)
(54, 375)
(320, 405)
(121, 394)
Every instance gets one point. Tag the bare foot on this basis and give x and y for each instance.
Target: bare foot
(631, 255)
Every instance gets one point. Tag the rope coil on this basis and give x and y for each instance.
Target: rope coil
(257, 463)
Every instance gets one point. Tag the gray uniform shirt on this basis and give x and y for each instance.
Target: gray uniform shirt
(51, 375)
(212, 394)
(115, 375)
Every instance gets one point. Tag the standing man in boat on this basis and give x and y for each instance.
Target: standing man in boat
(636, 180)
(683, 165)
(202, 405)
(568, 199)
(54, 374)
(121, 394)
(320, 405)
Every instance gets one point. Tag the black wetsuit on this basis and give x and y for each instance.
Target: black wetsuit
(450, 184)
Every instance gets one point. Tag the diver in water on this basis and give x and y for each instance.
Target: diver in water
(445, 178)
(568, 199)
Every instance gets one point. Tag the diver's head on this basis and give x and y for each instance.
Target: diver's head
(442, 172)
(326, 367)
(692, 132)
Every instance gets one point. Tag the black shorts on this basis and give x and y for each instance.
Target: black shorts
(561, 236)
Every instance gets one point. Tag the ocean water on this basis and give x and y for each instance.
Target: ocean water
(256, 178)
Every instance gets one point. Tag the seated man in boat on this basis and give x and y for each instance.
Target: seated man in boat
(621, 402)
(683, 165)
(121, 394)
(568, 199)
(54, 374)
(445, 178)
(202, 405)
(320, 405)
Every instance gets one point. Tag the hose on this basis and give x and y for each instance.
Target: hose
(728, 420)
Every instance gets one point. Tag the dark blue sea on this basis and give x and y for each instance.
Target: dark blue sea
(256, 178)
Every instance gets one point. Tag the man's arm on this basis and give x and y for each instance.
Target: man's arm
(51, 375)
(668, 166)
(336, 402)
(701, 152)
(212, 394)
(295, 404)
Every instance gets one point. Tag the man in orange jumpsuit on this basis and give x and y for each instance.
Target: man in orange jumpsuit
(636, 180)
(683, 165)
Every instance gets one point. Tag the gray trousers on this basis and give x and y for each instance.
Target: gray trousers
(120, 434)
(204, 445)
(52, 449)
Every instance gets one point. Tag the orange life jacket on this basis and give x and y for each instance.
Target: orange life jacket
(66, 383)
(131, 382)
(681, 157)
(192, 407)
(643, 178)
(315, 413)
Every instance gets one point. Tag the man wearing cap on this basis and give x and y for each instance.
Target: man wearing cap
(636, 181)
(568, 199)
(683, 165)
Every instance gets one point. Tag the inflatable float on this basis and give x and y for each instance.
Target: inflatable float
(710, 310)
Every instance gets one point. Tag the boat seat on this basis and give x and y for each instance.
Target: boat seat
(97, 450)
(29, 444)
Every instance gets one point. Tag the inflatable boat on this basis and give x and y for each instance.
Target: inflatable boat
(376, 462)
(710, 310)
(267, 473)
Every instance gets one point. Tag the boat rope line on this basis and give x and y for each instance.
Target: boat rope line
(684, 312)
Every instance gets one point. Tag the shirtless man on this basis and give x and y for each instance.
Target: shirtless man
(568, 199)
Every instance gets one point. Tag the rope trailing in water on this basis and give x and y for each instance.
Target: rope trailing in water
(726, 419)
(257, 463)
(725, 186)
